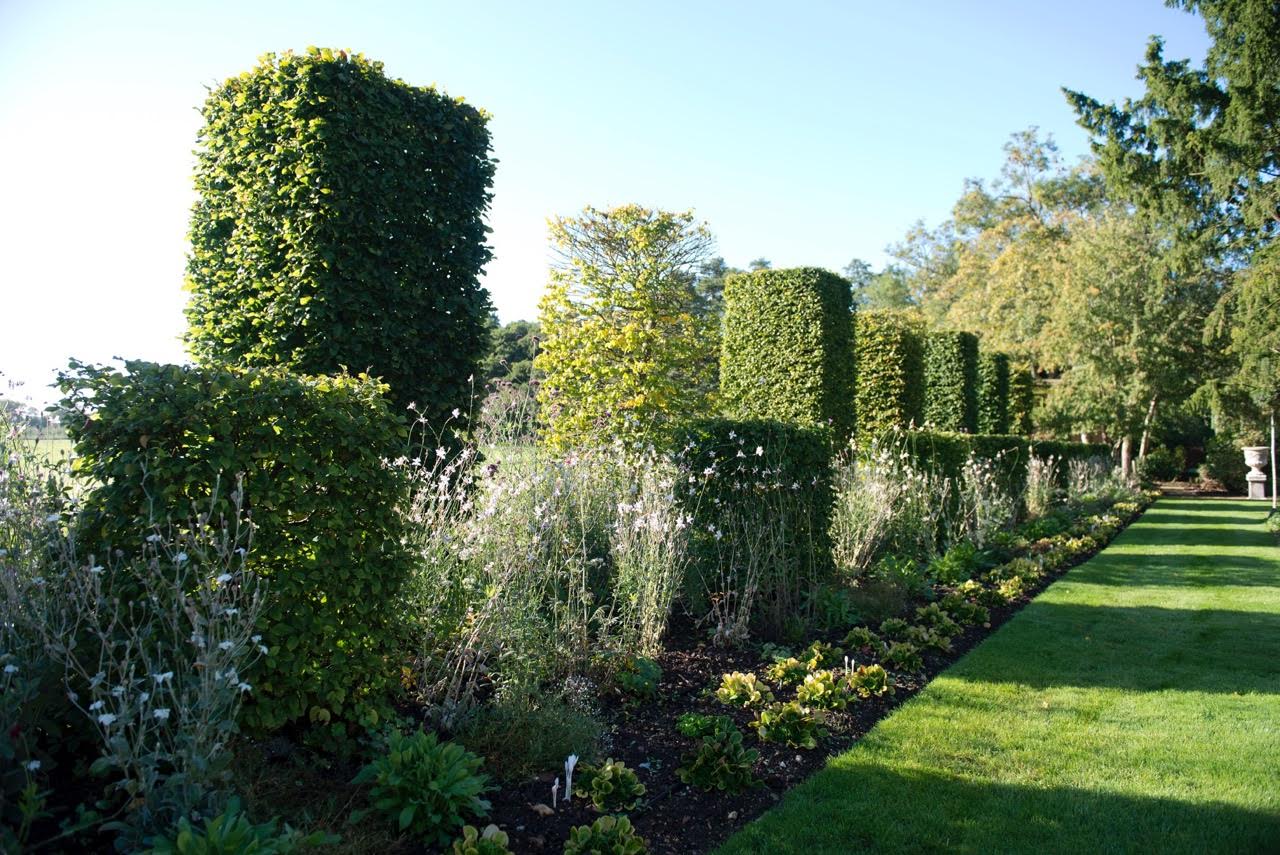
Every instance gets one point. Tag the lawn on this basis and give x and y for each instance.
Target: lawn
(1134, 706)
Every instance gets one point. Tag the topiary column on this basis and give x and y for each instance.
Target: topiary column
(890, 372)
(787, 348)
(993, 393)
(951, 381)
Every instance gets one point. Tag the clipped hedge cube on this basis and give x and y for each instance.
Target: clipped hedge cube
(890, 372)
(787, 349)
(951, 381)
(993, 393)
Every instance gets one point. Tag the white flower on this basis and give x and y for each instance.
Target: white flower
(225, 645)
(162, 713)
(33, 765)
(244, 687)
(153, 538)
(262, 648)
(96, 705)
(106, 719)
(96, 569)
(440, 452)
(53, 518)
(759, 451)
(144, 697)
(11, 668)
(180, 558)
(223, 579)
(456, 412)
(160, 678)
(255, 639)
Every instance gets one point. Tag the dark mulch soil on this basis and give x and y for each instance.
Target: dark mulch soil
(676, 818)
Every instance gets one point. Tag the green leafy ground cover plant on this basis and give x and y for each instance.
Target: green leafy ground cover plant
(427, 787)
(740, 689)
(490, 841)
(720, 762)
(231, 833)
(1145, 707)
(608, 835)
(789, 723)
(610, 787)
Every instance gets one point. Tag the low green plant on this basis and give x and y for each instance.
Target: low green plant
(821, 690)
(743, 690)
(608, 835)
(696, 725)
(894, 628)
(964, 611)
(821, 655)
(720, 762)
(939, 620)
(430, 788)
(956, 565)
(787, 672)
(833, 608)
(1010, 589)
(869, 681)
(775, 652)
(231, 833)
(520, 733)
(638, 678)
(978, 593)
(610, 786)
(789, 723)
(902, 572)
(861, 639)
(1272, 524)
(926, 637)
(903, 656)
(491, 841)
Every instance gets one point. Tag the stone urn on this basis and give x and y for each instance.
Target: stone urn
(1256, 457)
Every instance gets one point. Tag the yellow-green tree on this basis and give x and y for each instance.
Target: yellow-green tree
(625, 349)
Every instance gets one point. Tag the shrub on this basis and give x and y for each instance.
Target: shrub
(958, 564)
(429, 788)
(340, 222)
(993, 393)
(951, 381)
(638, 678)
(789, 723)
(1224, 465)
(491, 841)
(610, 787)
(608, 835)
(868, 681)
(696, 725)
(1022, 391)
(759, 494)
(720, 762)
(328, 535)
(787, 348)
(1162, 464)
(231, 833)
(890, 372)
(743, 690)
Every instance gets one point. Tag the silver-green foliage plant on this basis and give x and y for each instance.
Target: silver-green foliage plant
(427, 787)
(608, 835)
(610, 787)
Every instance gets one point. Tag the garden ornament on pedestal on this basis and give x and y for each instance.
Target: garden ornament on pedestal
(1256, 457)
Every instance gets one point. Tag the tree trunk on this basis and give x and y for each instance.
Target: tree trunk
(1273, 460)
(1146, 427)
(1126, 457)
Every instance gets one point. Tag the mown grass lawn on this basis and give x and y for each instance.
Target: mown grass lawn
(1133, 707)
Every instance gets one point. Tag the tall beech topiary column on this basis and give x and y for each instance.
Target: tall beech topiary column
(787, 349)
(951, 381)
(340, 223)
(993, 392)
(890, 372)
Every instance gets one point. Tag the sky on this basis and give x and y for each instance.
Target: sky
(808, 133)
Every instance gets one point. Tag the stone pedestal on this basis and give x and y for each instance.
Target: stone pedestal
(1256, 457)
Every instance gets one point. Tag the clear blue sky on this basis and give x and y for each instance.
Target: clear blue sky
(807, 134)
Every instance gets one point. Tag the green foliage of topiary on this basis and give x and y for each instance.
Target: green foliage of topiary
(608, 835)
(720, 762)
(340, 222)
(890, 372)
(743, 690)
(429, 788)
(787, 348)
(328, 538)
(951, 381)
(491, 841)
(231, 833)
(993, 393)
(789, 723)
(609, 787)
(1022, 400)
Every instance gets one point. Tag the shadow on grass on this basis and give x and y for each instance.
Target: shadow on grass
(1136, 648)
(1201, 519)
(863, 806)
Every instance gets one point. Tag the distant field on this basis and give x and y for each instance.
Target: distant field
(51, 449)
